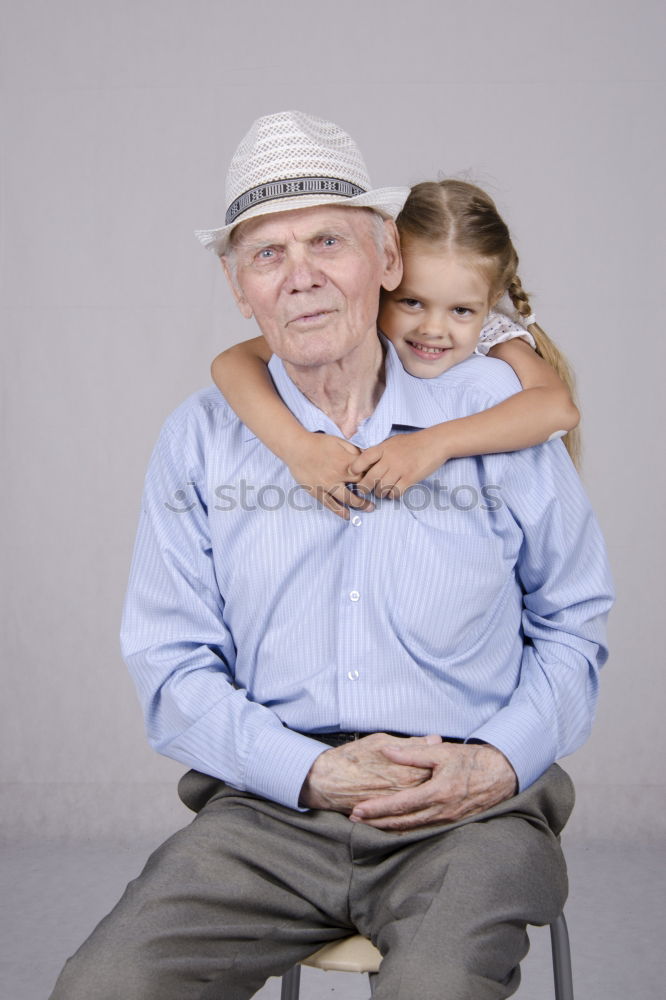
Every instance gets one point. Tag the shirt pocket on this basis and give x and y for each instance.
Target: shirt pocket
(454, 578)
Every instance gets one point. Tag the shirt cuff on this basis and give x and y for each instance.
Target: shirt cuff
(523, 740)
(281, 760)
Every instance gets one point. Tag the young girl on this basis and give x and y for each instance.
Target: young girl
(458, 262)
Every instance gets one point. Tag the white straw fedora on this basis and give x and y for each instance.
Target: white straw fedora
(293, 160)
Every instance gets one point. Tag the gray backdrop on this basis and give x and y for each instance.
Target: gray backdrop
(118, 121)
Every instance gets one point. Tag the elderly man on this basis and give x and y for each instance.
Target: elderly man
(371, 709)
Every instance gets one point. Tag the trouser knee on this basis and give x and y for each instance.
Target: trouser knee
(455, 979)
(84, 978)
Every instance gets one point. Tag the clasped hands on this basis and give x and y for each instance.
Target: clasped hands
(325, 465)
(395, 783)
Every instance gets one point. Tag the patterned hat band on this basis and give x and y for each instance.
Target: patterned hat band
(290, 188)
(292, 160)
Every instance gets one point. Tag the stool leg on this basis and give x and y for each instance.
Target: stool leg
(372, 976)
(291, 984)
(562, 975)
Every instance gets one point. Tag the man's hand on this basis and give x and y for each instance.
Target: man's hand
(345, 776)
(465, 779)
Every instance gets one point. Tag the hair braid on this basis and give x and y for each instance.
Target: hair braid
(518, 296)
(550, 353)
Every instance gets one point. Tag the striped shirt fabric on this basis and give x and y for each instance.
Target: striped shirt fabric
(474, 607)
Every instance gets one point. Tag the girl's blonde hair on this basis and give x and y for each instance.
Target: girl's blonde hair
(457, 216)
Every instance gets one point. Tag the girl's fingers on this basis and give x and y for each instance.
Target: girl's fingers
(358, 502)
(348, 447)
(342, 495)
(372, 480)
(326, 499)
(365, 460)
(351, 477)
(389, 488)
(396, 491)
(332, 504)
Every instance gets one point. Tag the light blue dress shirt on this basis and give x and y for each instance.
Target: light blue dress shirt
(474, 607)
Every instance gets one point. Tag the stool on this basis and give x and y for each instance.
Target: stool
(357, 954)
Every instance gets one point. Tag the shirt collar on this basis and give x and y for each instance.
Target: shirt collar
(407, 402)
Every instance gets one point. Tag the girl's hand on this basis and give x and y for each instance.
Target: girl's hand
(320, 464)
(390, 468)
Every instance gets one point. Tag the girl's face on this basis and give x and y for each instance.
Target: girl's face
(434, 317)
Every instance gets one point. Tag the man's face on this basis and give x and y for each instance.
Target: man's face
(311, 279)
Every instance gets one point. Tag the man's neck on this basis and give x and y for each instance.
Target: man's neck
(346, 390)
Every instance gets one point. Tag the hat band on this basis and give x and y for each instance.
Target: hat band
(290, 188)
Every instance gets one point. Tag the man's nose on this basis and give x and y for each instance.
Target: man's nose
(303, 272)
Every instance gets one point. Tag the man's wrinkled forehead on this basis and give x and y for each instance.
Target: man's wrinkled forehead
(301, 224)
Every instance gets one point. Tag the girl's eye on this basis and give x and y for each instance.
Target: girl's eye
(410, 303)
(462, 311)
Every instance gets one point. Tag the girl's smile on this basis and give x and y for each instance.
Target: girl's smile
(425, 352)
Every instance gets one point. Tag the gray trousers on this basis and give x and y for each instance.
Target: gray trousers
(251, 887)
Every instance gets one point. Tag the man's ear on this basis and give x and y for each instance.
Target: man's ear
(392, 275)
(237, 293)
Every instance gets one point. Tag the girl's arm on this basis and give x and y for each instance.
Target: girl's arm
(530, 417)
(319, 462)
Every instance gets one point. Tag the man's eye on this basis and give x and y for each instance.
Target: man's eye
(330, 241)
(266, 254)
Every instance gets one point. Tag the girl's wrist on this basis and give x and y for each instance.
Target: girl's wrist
(291, 445)
(301, 453)
(438, 443)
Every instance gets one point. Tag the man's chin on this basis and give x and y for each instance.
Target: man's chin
(307, 361)
(319, 347)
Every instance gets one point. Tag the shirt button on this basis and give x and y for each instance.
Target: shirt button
(356, 521)
(354, 595)
(353, 675)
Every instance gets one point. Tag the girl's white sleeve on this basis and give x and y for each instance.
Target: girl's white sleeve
(498, 329)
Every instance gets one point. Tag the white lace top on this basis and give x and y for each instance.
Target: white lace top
(498, 329)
